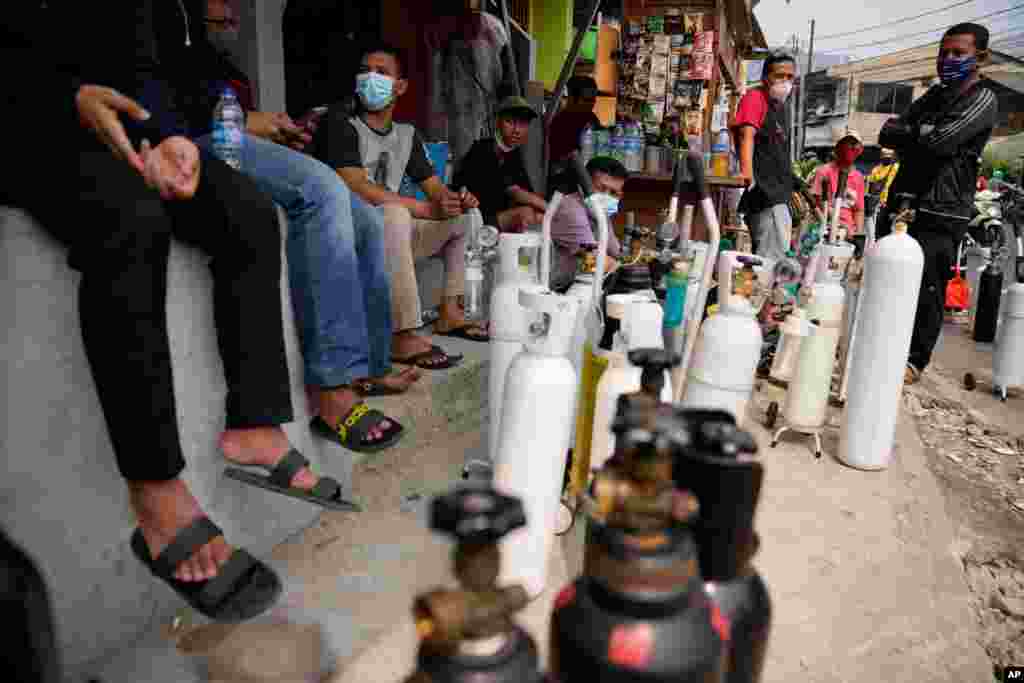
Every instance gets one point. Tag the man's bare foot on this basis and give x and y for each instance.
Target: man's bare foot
(163, 509)
(262, 446)
(335, 404)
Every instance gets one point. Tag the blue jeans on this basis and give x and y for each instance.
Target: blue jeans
(339, 280)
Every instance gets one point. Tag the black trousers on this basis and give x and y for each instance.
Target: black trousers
(119, 234)
(938, 238)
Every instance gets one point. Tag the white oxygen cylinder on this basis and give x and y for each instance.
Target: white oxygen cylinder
(509, 322)
(892, 282)
(807, 397)
(725, 358)
(976, 258)
(641, 329)
(531, 461)
(791, 336)
(828, 301)
(1008, 359)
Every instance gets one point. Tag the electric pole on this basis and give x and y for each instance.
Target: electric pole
(803, 91)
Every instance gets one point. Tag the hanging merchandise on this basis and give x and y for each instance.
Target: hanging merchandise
(640, 611)
(467, 634)
(720, 468)
(536, 411)
(893, 264)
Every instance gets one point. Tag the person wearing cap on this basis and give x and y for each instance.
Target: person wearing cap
(564, 135)
(848, 147)
(372, 154)
(494, 171)
(882, 175)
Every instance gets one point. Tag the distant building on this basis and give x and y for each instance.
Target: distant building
(863, 95)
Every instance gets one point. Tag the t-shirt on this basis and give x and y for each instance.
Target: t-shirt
(752, 109)
(570, 232)
(884, 173)
(488, 177)
(337, 144)
(854, 197)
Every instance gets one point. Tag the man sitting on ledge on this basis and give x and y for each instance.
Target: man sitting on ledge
(372, 154)
(339, 282)
(117, 205)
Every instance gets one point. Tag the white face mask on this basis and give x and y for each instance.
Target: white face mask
(781, 90)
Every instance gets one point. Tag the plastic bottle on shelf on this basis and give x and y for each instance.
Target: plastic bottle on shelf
(587, 144)
(720, 154)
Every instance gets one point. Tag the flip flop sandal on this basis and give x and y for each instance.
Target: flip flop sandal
(463, 333)
(369, 387)
(243, 588)
(326, 493)
(352, 430)
(444, 359)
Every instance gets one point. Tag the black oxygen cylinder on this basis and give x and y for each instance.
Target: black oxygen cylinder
(639, 613)
(990, 289)
(718, 467)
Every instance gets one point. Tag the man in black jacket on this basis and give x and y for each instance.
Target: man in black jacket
(940, 139)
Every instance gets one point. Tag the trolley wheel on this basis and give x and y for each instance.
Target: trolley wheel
(774, 444)
(817, 455)
(772, 417)
(970, 384)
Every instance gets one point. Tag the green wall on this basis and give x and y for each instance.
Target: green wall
(551, 27)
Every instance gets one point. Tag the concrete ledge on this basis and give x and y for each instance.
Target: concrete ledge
(61, 497)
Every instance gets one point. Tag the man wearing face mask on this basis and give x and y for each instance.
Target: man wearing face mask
(940, 139)
(851, 211)
(571, 232)
(494, 171)
(373, 153)
(762, 138)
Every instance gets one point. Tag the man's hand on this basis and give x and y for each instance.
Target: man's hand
(310, 121)
(468, 200)
(424, 210)
(449, 204)
(279, 128)
(172, 167)
(98, 109)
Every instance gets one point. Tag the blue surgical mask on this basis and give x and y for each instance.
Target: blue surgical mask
(610, 203)
(375, 90)
(953, 71)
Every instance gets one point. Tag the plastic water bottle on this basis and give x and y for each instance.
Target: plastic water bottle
(587, 144)
(228, 129)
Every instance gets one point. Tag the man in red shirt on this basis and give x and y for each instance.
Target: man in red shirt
(566, 128)
(826, 180)
(762, 138)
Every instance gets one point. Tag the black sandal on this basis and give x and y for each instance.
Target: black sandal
(243, 588)
(443, 360)
(464, 333)
(326, 493)
(352, 430)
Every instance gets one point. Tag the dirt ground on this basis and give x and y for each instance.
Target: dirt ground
(976, 450)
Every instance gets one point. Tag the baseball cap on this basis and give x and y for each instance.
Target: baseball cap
(585, 87)
(516, 105)
(839, 134)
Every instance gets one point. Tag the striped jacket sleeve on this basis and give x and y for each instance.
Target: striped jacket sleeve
(965, 121)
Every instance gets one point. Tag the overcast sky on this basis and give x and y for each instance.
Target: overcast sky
(780, 21)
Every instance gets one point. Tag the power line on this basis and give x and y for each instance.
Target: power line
(897, 21)
(922, 33)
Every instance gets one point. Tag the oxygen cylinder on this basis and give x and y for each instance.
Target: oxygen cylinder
(791, 334)
(640, 612)
(509, 320)
(641, 329)
(535, 418)
(893, 264)
(990, 289)
(467, 635)
(721, 470)
(1008, 360)
(728, 349)
(828, 301)
(976, 258)
(806, 404)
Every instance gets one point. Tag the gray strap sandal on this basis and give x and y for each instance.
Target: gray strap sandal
(326, 493)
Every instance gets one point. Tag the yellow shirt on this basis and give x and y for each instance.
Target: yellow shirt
(887, 173)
